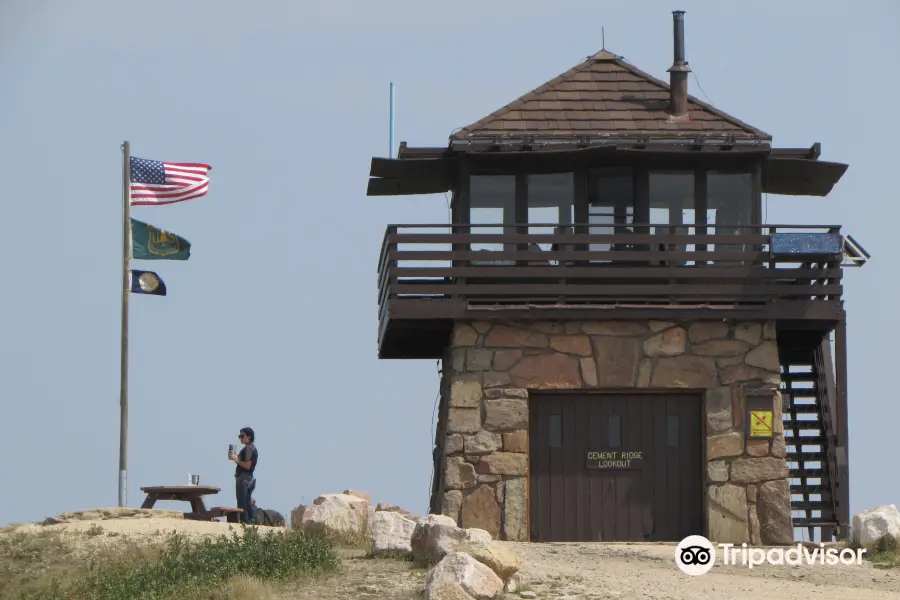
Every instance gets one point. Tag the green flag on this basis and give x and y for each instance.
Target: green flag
(151, 243)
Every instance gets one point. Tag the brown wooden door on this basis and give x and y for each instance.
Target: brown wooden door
(660, 501)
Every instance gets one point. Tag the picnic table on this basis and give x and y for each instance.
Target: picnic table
(192, 494)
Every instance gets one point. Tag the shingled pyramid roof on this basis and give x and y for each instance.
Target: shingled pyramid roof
(604, 95)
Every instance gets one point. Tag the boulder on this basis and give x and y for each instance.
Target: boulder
(473, 534)
(337, 514)
(386, 507)
(872, 526)
(391, 534)
(500, 560)
(360, 494)
(359, 505)
(475, 578)
(436, 536)
(297, 516)
(446, 590)
(512, 586)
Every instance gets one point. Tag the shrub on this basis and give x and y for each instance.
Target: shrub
(238, 562)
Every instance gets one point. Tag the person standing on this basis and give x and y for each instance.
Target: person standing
(245, 465)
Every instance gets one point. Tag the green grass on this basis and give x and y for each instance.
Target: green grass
(36, 566)
(885, 554)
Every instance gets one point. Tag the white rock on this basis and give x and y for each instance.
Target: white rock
(391, 533)
(870, 526)
(474, 534)
(437, 519)
(512, 586)
(498, 558)
(359, 505)
(476, 579)
(434, 537)
(360, 494)
(338, 514)
(446, 590)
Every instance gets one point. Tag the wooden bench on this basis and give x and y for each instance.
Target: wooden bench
(232, 515)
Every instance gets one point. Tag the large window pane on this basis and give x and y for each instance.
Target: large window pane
(551, 202)
(671, 201)
(610, 204)
(730, 203)
(493, 199)
(672, 207)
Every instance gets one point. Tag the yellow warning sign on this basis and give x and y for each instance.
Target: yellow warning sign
(761, 423)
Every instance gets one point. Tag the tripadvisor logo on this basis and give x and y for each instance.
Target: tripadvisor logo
(696, 555)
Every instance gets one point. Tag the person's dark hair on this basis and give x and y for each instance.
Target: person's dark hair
(249, 433)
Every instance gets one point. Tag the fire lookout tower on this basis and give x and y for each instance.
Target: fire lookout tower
(629, 353)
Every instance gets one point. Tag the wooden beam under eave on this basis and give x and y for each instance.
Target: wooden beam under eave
(418, 168)
(429, 152)
(390, 186)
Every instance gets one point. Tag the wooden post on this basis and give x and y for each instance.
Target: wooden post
(125, 289)
(842, 429)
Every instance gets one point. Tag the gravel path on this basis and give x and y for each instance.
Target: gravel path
(594, 571)
(614, 571)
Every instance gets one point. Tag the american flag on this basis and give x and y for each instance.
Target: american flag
(157, 182)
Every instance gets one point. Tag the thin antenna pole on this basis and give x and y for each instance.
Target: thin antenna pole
(603, 37)
(391, 141)
(125, 289)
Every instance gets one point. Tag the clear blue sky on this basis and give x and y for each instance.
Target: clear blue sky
(272, 323)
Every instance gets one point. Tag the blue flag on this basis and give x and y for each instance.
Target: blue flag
(147, 282)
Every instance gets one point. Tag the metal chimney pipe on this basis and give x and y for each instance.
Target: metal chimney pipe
(678, 73)
(678, 18)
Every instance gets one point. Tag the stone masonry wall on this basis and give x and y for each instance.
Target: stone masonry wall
(490, 368)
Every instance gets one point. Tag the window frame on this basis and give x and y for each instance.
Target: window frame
(641, 169)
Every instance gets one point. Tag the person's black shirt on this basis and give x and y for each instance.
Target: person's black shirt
(248, 452)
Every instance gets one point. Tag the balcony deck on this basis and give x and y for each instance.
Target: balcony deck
(430, 275)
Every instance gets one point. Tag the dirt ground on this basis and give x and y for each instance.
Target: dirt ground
(558, 571)
(594, 571)
(86, 536)
(614, 571)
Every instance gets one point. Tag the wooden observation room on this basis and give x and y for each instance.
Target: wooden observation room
(629, 352)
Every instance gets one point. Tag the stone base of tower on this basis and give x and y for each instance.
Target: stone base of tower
(492, 369)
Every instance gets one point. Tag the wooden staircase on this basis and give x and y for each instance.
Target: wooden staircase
(818, 485)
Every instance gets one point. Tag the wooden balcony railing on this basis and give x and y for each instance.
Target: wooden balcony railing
(651, 265)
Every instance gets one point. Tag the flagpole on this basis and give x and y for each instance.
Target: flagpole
(126, 272)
